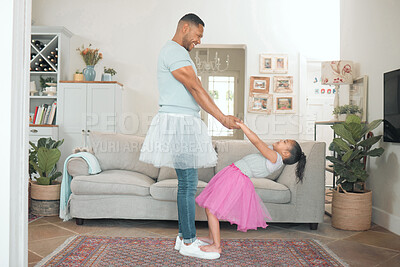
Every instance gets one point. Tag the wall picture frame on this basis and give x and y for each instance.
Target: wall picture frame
(260, 103)
(284, 104)
(273, 63)
(259, 85)
(358, 95)
(283, 84)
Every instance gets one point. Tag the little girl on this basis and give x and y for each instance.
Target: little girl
(230, 195)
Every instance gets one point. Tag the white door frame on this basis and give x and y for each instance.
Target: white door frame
(19, 133)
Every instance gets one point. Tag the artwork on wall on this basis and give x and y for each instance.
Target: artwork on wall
(284, 104)
(283, 84)
(259, 85)
(358, 94)
(272, 63)
(259, 103)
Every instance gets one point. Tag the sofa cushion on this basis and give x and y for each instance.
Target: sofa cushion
(205, 174)
(112, 182)
(120, 152)
(270, 191)
(167, 189)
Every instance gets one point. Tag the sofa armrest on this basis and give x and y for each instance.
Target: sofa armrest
(309, 195)
(77, 167)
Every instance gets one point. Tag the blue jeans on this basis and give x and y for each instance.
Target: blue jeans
(187, 187)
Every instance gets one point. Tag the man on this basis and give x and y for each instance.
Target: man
(177, 137)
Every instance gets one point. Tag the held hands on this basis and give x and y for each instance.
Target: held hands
(231, 122)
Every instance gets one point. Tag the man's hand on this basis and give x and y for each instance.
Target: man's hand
(230, 122)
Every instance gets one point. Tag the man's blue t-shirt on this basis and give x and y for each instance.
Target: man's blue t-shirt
(174, 97)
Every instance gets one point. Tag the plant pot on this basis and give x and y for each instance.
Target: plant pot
(79, 77)
(342, 117)
(106, 77)
(45, 199)
(351, 211)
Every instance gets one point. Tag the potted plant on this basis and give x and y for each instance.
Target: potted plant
(341, 112)
(45, 191)
(78, 76)
(44, 83)
(108, 73)
(352, 202)
(91, 57)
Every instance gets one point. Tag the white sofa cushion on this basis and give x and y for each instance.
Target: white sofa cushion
(167, 189)
(112, 182)
(120, 152)
(271, 191)
(205, 174)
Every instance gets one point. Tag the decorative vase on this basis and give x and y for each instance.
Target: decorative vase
(78, 77)
(89, 73)
(106, 77)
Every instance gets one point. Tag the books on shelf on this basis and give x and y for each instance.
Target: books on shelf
(44, 114)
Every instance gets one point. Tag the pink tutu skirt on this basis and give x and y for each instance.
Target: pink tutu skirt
(230, 196)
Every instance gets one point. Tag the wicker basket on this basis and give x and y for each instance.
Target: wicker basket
(351, 211)
(45, 199)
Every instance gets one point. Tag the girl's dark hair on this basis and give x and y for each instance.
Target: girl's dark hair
(297, 155)
(192, 18)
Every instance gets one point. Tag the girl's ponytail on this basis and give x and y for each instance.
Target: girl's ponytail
(297, 155)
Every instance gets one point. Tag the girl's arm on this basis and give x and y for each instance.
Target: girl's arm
(258, 143)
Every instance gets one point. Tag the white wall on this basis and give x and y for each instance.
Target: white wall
(131, 33)
(370, 37)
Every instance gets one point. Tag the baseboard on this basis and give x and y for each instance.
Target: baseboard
(386, 220)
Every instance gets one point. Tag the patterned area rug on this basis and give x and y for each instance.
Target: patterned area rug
(32, 217)
(107, 251)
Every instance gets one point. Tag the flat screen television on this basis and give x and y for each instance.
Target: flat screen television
(391, 123)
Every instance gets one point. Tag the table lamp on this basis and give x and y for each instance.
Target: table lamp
(337, 73)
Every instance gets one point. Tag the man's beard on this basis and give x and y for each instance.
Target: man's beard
(186, 43)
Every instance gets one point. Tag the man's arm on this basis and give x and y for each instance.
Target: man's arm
(259, 144)
(188, 78)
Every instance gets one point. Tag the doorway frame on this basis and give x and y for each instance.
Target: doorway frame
(19, 127)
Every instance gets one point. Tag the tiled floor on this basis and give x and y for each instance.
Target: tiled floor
(376, 247)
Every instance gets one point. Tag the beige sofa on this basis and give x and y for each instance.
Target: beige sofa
(129, 189)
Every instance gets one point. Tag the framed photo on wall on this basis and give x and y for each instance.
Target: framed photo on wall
(284, 104)
(358, 93)
(259, 103)
(283, 84)
(259, 85)
(273, 63)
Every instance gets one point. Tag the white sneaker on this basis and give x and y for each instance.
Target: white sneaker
(178, 243)
(193, 250)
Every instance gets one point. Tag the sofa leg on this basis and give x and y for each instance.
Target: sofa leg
(79, 221)
(313, 226)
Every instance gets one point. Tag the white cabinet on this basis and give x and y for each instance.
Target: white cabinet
(37, 132)
(85, 107)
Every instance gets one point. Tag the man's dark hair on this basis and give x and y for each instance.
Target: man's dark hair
(192, 18)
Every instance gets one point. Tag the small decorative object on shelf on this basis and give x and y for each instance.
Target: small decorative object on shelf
(44, 83)
(33, 88)
(91, 57)
(108, 73)
(78, 76)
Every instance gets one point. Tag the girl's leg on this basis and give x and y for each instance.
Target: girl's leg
(213, 224)
(209, 238)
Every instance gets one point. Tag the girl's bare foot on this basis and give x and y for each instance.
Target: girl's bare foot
(211, 248)
(207, 240)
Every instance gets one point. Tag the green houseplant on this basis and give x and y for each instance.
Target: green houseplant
(352, 202)
(108, 73)
(45, 191)
(346, 110)
(43, 158)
